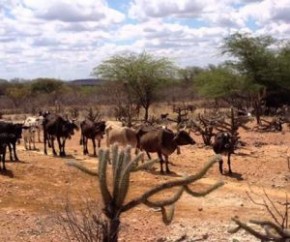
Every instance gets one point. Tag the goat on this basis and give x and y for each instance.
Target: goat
(163, 142)
(91, 130)
(223, 144)
(10, 134)
(55, 126)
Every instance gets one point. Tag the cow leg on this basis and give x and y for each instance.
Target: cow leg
(10, 152)
(94, 146)
(44, 141)
(52, 145)
(38, 134)
(63, 147)
(166, 164)
(149, 157)
(60, 146)
(25, 143)
(84, 142)
(221, 166)
(229, 163)
(29, 142)
(161, 162)
(33, 141)
(14, 151)
(3, 159)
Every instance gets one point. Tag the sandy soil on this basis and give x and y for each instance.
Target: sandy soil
(34, 190)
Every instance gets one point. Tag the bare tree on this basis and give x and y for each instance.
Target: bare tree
(276, 229)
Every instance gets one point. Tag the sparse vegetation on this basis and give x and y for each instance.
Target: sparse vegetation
(114, 199)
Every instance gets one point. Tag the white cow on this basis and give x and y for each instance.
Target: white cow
(121, 135)
(28, 134)
(36, 122)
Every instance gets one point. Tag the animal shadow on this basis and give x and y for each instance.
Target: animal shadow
(66, 156)
(157, 172)
(15, 161)
(7, 173)
(235, 175)
(92, 156)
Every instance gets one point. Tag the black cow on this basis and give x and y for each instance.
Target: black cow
(55, 126)
(2, 154)
(91, 130)
(223, 144)
(163, 142)
(10, 133)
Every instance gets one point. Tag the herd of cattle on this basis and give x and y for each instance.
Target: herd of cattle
(151, 139)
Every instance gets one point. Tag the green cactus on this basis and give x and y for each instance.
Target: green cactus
(123, 165)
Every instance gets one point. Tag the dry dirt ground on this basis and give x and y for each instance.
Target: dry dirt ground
(35, 189)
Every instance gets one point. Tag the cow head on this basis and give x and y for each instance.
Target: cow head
(183, 138)
(68, 128)
(100, 126)
(222, 142)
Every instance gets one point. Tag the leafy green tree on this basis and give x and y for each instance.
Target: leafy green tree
(283, 60)
(3, 85)
(253, 57)
(256, 60)
(18, 93)
(141, 75)
(46, 85)
(220, 82)
(189, 73)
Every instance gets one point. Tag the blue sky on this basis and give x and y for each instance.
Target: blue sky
(67, 38)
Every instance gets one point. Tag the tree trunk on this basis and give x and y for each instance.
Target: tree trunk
(146, 115)
(258, 112)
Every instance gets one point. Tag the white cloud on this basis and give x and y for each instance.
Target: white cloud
(143, 9)
(67, 38)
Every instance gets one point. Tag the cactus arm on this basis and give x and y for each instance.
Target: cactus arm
(115, 152)
(131, 165)
(107, 197)
(167, 216)
(79, 166)
(170, 184)
(165, 202)
(122, 184)
(117, 174)
(145, 165)
(203, 193)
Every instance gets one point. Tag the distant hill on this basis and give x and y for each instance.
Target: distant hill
(86, 82)
(3, 81)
